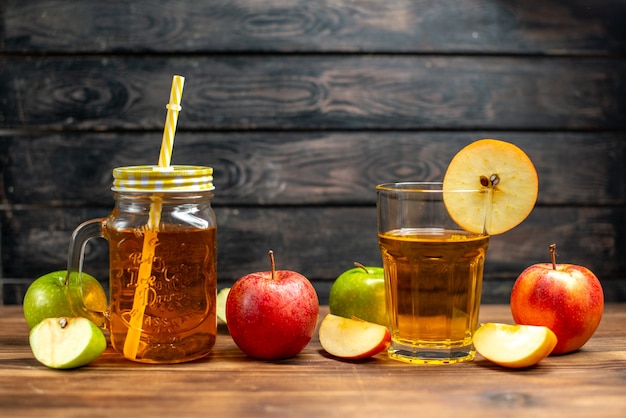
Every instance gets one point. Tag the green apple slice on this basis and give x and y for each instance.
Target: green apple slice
(222, 295)
(66, 342)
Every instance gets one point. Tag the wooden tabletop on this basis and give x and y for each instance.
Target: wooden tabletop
(590, 382)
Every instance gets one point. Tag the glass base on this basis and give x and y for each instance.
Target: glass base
(430, 354)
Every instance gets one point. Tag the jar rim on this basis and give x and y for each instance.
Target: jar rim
(152, 178)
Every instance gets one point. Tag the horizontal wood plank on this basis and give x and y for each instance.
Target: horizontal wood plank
(400, 26)
(300, 168)
(587, 383)
(323, 242)
(314, 92)
(302, 107)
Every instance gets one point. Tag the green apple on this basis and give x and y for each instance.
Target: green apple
(66, 343)
(47, 297)
(222, 295)
(360, 292)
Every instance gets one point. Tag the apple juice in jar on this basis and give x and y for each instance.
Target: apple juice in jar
(178, 322)
(433, 288)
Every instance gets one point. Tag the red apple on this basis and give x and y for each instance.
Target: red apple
(272, 315)
(352, 338)
(566, 298)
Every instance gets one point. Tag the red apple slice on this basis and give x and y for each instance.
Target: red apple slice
(515, 346)
(352, 338)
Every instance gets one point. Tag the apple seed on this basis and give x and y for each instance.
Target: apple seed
(63, 322)
(492, 181)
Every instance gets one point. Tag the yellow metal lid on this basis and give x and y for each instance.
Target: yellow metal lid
(152, 178)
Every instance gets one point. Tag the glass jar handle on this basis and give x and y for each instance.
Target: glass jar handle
(75, 256)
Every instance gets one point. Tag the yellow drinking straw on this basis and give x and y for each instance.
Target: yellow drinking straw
(131, 345)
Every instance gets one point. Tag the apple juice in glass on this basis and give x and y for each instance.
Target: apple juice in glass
(433, 274)
(162, 264)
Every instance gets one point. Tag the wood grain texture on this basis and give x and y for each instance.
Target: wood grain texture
(302, 168)
(589, 382)
(401, 26)
(302, 107)
(314, 92)
(322, 242)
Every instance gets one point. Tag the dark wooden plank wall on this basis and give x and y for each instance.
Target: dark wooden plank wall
(302, 107)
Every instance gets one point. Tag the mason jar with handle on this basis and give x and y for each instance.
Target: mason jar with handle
(162, 237)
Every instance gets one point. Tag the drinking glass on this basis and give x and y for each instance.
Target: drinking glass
(433, 273)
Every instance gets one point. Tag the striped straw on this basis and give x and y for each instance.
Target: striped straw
(173, 107)
(140, 299)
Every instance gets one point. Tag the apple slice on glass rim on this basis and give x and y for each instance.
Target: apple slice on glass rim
(503, 170)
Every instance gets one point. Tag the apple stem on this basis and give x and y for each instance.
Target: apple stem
(553, 255)
(357, 264)
(271, 254)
